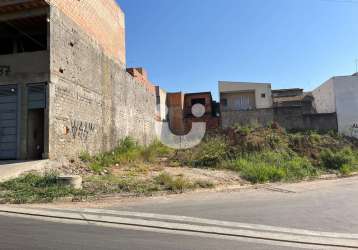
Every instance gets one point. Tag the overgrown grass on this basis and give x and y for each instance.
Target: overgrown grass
(272, 154)
(210, 153)
(272, 167)
(344, 160)
(259, 155)
(34, 188)
(163, 182)
(128, 151)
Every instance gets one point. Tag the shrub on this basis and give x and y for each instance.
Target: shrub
(314, 138)
(346, 170)
(274, 141)
(210, 153)
(335, 160)
(85, 156)
(299, 168)
(271, 166)
(127, 151)
(174, 184)
(256, 172)
(155, 150)
(243, 130)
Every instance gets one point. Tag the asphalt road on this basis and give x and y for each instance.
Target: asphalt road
(324, 206)
(329, 206)
(18, 233)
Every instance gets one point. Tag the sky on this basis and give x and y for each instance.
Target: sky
(190, 45)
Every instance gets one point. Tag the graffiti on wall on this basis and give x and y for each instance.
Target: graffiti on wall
(4, 70)
(81, 129)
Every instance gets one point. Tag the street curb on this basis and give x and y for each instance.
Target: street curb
(179, 227)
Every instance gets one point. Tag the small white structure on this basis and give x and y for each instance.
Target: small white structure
(245, 95)
(340, 94)
(161, 109)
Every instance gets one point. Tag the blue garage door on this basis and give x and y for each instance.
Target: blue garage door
(8, 122)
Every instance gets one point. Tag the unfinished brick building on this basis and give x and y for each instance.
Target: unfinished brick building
(63, 81)
(180, 114)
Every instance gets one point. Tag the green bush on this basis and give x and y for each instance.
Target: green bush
(272, 166)
(335, 160)
(346, 170)
(243, 130)
(260, 172)
(274, 141)
(155, 150)
(299, 168)
(85, 156)
(210, 153)
(314, 138)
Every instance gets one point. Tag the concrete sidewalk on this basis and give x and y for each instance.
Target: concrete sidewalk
(13, 169)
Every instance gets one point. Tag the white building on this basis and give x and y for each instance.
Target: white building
(244, 95)
(340, 94)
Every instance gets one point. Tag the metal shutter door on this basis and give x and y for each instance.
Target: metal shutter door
(8, 122)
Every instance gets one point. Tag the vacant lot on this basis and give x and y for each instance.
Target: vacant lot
(237, 156)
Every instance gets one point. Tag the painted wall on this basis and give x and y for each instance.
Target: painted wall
(161, 104)
(259, 88)
(324, 97)
(94, 102)
(261, 117)
(346, 92)
(175, 104)
(340, 94)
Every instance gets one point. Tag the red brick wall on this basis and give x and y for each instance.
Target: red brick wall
(190, 97)
(103, 20)
(212, 123)
(175, 103)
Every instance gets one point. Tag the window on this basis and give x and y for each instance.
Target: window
(36, 96)
(198, 101)
(245, 101)
(263, 95)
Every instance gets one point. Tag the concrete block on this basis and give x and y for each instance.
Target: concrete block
(74, 181)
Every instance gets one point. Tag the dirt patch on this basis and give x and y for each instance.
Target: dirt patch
(218, 177)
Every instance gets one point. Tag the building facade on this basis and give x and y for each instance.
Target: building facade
(180, 111)
(245, 103)
(64, 87)
(340, 95)
(256, 104)
(210, 113)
